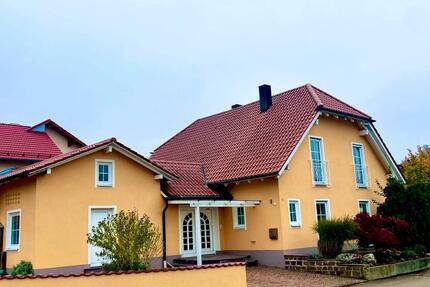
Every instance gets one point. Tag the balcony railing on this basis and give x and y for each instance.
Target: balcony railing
(360, 172)
(319, 172)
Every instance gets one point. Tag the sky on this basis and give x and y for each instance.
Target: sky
(143, 70)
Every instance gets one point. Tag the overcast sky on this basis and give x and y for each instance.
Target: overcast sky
(143, 70)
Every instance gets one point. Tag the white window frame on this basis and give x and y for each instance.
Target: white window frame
(90, 208)
(368, 205)
(9, 215)
(111, 183)
(328, 207)
(298, 222)
(236, 224)
(182, 210)
(363, 165)
(323, 162)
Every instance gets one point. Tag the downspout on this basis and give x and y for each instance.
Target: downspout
(166, 206)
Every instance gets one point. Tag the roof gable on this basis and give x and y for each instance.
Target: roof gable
(42, 166)
(41, 127)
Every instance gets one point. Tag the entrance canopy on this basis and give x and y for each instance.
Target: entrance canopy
(197, 204)
(217, 203)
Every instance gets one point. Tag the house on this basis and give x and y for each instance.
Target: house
(22, 145)
(258, 176)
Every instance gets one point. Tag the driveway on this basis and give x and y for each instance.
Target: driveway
(279, 277)
(420, 279)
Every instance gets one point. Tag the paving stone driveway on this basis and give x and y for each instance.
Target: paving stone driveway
(277, 277)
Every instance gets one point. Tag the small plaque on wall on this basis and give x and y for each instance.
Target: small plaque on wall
(273, 233)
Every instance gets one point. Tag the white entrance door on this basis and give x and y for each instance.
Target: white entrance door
(97, 215)
(188, 238)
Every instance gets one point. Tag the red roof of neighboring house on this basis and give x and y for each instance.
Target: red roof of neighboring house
(24, 171)
(18, 142)
(41, 164)
(190, 182)
(244, 143)
(59, 129)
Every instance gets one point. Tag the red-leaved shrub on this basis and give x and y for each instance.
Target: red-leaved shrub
(383, 232)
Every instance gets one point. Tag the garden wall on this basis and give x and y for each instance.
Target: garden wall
(229, 274)
(325, 266)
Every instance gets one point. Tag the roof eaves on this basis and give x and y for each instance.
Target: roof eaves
(333, 97)
(324, 109)
(244, 178)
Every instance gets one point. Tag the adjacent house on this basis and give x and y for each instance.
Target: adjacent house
(257, 176)
(22, 145)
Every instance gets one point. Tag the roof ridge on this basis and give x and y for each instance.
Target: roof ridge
(333, 97)
(14, 124)
(253, 102)
(314, 95)
(59, 128)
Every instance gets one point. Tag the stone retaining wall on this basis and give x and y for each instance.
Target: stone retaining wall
(325, 266)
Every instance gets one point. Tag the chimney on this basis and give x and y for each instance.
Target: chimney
(265, 97)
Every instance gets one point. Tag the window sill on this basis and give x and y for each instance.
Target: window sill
(320, 184)
(295, 225)
(239, 227)
(12, 248)
(104, 185)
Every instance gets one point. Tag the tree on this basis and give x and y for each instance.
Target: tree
(416, 165)
(127, 241)
(411, 203)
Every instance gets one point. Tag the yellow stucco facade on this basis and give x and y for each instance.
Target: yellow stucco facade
(341, 191)
(55, 207)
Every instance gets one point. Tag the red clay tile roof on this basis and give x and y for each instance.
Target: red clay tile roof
(190, 182)
(41, 164)
(328, 102)
(102, 273)
(244, 143)
(17, 142)
(25, 170)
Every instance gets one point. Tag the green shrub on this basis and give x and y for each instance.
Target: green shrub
(127, 241)
(420, 250)
(333, 233)
(22, 268)
(409, 254)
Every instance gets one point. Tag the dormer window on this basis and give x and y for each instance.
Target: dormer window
(105, 173)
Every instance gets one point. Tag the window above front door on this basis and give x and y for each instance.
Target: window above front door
(105, 173)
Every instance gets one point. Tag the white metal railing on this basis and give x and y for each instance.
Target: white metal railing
(360, 172)
(319, 172)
